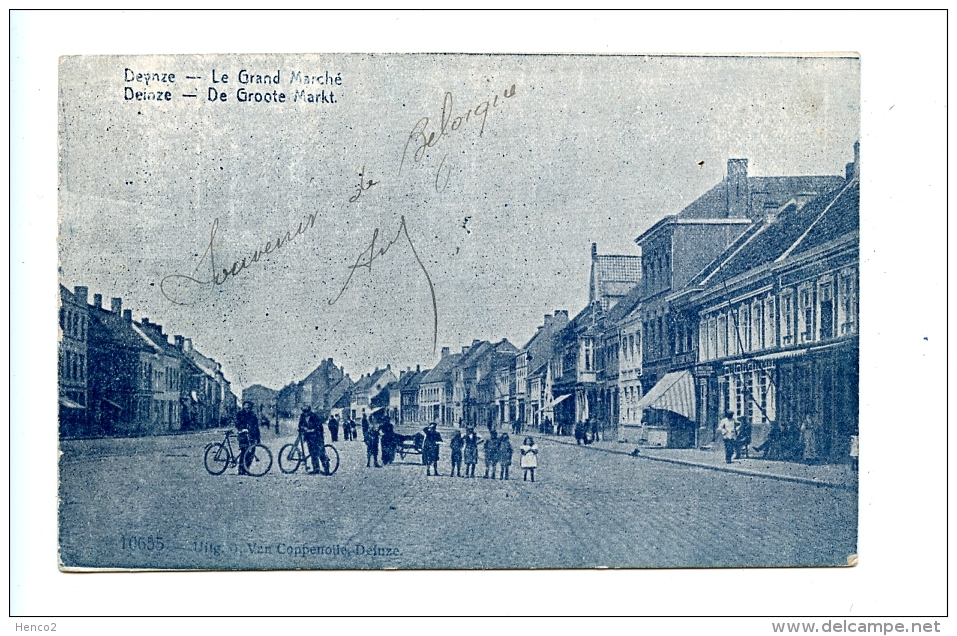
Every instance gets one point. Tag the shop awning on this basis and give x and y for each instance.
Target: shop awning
(562, 398)
(674, 392)
(780, 355)
(70, 404)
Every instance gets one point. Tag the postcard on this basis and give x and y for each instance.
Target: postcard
(316, 310)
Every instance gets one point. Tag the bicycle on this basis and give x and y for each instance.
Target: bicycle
(292, 456)
(219, 457)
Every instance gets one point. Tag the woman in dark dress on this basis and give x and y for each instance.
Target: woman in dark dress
(471, 451)
(388, 441)
(430, 450)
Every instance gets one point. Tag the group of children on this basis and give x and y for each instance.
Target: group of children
(498, 454)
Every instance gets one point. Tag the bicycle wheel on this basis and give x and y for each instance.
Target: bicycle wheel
(258, 460)
(216, 459)
(290, 458)
(333, 455)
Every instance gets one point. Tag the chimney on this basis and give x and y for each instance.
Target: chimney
(465, 350)
(739, 195)
(330, 360)
(128, 315)
(594, 250)
(187, 344)
(98, 301)
(418, 368)
(179, 342)
(145, 321)
(116, 305)
(853, 168)
(445, 351)
(81, 294)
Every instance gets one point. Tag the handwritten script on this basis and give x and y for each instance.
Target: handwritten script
(367, 256)
(220, 277)
(420, 142)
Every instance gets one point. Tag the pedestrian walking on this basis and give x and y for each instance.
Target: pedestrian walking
(728, 429)
(370, 436)
(311, 428)
(491, 454)
(471, 451)
(504, 455)
(580, 433)
(529, 460)
(334, 428)
(594, 431)
(456, 445)
(430, 450)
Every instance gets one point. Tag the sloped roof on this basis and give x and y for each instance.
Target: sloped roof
(540, 371)
(472, 356)
(344, 401)
(341, 388)
(441, 371)
(411, 380)
(158, 339)
(106, 326)
(794, 230)
(625, 304)
(613, 276)
(841, 217)
(366, 383)
(773, 191)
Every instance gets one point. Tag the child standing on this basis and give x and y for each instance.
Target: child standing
(504, 455)
(529, 458)
(456, 446)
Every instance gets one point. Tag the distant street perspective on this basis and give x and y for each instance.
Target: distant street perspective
(156, 506)
(514, 320)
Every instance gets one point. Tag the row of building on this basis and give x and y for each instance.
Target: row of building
(118, 376)
(745, 301)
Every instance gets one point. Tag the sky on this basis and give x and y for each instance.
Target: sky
(493, 221)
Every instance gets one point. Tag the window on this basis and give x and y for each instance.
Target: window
(825, 296)
(722, 336)
(770, 339)
(787, 318)
(744, 315)
(757, 326)
(805, 314)
(847, 302)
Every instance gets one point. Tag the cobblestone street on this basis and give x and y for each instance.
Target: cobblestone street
(586, 509)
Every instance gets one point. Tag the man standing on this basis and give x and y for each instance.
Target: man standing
(311, 429)
(370, 435)
(334, 428)
(729, 433)
(491, 455)
(247, 424)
